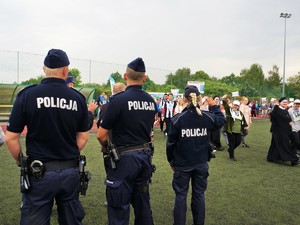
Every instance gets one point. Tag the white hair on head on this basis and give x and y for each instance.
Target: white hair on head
(195, 103)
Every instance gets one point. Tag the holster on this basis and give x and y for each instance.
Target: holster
(85, 176)
(24, 173)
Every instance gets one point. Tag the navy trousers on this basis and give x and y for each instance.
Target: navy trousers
(61, 185)
(181, 178)
(128, 184)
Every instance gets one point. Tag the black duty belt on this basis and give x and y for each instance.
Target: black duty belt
(61, 165)
(133, 148)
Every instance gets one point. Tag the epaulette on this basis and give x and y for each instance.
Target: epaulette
(112, 96)
(26, 88)
(177, 116)
(78, 92)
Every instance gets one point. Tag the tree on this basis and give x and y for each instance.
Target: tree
(254, 77)
(213, 87)
(76, 75)
(274, 79)
(294, 85)
(200, 76)
(149, 85)
(117, 77)
(179, 79)
(33, 80)
(231, 79)
(273, 82)
(248, 90)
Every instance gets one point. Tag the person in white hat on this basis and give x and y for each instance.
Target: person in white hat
(244, 108)
(235, 123)
(295, 135)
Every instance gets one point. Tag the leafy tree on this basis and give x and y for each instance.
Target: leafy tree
(76, 75)
(179, 79)
(200, 76)
(274, 79)
(294, 85)
(231, 79)
(254, 77)
(36, 80)
(273, 82)
(248, 90)
(219, 88)
(118, 77)
(149, 85)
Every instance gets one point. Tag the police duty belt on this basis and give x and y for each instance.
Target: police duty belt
(133, 148)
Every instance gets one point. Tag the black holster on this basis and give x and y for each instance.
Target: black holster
(24, 173)
(85, 176)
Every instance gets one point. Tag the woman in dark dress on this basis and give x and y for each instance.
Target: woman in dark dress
(280, 149)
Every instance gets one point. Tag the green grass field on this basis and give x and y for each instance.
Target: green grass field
(250, 191)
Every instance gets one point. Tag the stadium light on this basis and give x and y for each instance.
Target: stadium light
(285, 16)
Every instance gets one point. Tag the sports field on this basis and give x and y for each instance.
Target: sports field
(250, 191)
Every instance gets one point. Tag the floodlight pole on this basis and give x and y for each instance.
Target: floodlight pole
(285, 16)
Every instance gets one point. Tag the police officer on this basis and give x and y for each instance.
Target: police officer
(188, 152)
(130, 115)
(70, 80)
(57, 122)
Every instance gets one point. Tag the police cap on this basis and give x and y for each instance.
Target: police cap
(56, 58)
(191, 89)
(70, 79)
(137, 65)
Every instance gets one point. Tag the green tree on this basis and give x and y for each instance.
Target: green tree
(254, 77)
(231, 79)
(248, 90)
(294, 85)
(76, 75)
(149, 85)
(200, 76)
(117, 77)
(179, 79)
(213, 87)
(273, 82)
(31, 81)
(274, 79)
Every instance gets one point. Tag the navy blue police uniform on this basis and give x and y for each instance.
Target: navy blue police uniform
(53, 114)
(130, 116)
(188, 152)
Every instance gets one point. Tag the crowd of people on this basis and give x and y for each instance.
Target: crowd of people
(192, 125)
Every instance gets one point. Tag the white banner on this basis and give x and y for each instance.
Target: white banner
(235, 93)
(175, 91)
(199, 85)
(112, 83)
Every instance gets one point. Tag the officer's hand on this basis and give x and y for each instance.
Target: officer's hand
(92, 106)
(210, 101)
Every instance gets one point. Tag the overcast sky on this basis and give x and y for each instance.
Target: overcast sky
(219, 37)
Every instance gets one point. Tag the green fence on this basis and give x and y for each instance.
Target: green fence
(8, 93)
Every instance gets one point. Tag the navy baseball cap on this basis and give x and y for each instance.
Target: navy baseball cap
(137, 65)
(70, 80)
(56, 58)
(191, 89)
